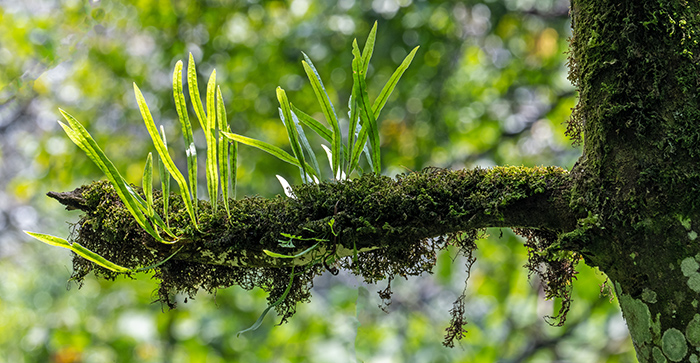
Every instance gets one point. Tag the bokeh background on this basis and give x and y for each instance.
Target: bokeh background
(487, 87)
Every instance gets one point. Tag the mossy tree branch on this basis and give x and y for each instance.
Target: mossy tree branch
(356, 215)
(376, 227)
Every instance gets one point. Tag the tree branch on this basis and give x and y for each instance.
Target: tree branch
(342, 218)
(376, 227)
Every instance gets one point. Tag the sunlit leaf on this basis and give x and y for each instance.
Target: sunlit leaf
(147, 183)
(391, 83)
(190, 149)
(258, 322)
(311, 122)
(327, 109)
(209, 129)
(164, 180)
(194, 92)
(81, 137)
(369, 47)
(163, 152)
(368, 121)
(233, 152)
(268, 148)
(223, 151)
(292, 134)
(354, 117)
(79, 250)
(305, 142)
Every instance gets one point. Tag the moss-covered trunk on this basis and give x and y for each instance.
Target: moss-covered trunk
(636, 65)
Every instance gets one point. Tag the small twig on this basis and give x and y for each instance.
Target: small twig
(72, 200)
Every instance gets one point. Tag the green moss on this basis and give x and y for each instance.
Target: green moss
(674, 345)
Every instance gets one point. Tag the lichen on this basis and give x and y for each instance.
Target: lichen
(674, 345)
(649, 296)
(689, 267)
(694, 282)
(658, 355)
(692, 332)
(638, 318)
(685, 222)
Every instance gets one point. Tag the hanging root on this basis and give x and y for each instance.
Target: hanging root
(555, 268)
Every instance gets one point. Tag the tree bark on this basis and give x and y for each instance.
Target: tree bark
(636, 67)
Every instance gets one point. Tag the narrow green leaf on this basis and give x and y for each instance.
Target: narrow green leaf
(369, 122)
(223, 156)
(223, 150)
(328, 111)
(268, 148)
(49, 239)
(79, 250)
(279, 255)
(354, 117)
(209, 130)
(163, 153)
(191, 150)
(258, 322)
(92, 256)
(352, 108)
(82, 138)
(360, 145)
(368, 156)
(391, 83)
(159, 263)
(307, 146)
(233, 151)
(164, 180)
(147, 184)
(369, 47)
(311, 122)
(286, 116)
(194, 92)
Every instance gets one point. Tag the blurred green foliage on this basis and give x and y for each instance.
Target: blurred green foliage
(488, 87)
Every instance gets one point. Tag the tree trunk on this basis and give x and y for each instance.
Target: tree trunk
(636, 66)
